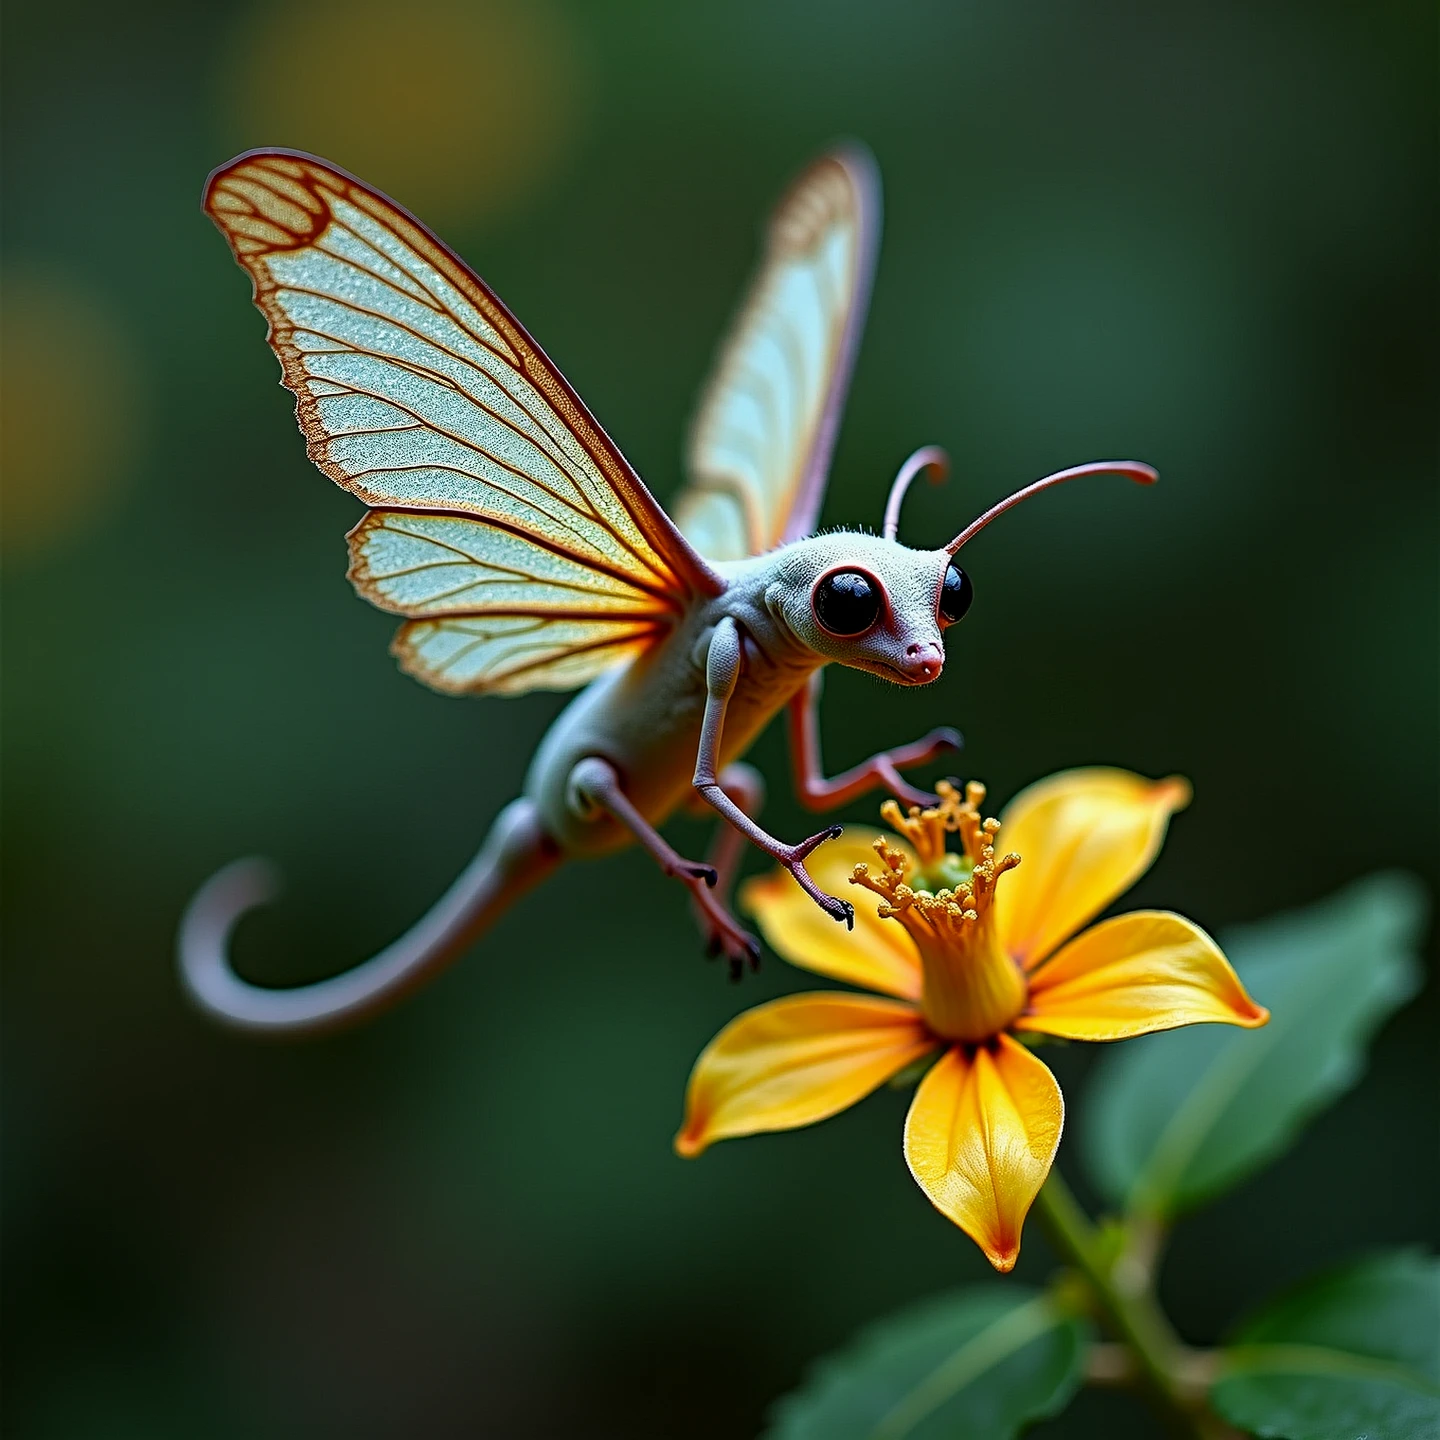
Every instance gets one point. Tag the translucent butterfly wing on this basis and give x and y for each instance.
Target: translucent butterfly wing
(762, 439)
(491, 611)
(417, 390)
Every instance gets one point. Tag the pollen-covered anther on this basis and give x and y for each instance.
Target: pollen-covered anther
(924, 828)
(895, 865)
(896, 861)
(902, 898)
(976, 832)
(861, 875)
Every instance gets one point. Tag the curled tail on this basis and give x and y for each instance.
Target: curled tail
(516, 855)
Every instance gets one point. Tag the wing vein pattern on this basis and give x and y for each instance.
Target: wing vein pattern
(764, 432)
(522, 548)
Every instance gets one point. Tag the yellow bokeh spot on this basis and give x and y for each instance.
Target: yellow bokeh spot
(68, 408)
(458, 109)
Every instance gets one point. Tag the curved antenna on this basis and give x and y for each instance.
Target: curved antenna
(927, 457)
(516, 855)
(1137, 471)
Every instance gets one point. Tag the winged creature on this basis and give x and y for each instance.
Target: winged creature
(524, 552)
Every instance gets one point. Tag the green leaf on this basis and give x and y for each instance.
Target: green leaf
(980, 1363)
(1172, 1119)
(1352, 1354)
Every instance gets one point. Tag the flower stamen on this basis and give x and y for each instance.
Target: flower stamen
(972, 988)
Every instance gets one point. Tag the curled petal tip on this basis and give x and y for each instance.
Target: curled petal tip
(690, 1142)
(1003, 1260)
(1174, 790)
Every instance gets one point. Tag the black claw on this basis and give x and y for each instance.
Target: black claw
(736, 969)
(709, 875)
(834, 832)
(849, 915)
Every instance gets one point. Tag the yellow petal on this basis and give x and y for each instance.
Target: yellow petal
(1084, 838)
(877, 954)
(1136, 973)
(796, 1061)
(979, 1139)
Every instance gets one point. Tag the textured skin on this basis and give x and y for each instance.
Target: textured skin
(645, 718)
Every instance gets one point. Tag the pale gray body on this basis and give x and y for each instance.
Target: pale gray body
(646, 718)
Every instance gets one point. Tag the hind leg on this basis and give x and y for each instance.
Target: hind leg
(595, 784)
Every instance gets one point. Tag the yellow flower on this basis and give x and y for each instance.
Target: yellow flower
(975, 949)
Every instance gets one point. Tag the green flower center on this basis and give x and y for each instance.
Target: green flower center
(949, 872)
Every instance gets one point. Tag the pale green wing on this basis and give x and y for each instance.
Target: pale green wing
(418, 391)
(491, 610)
(762, 439)
(512, 654)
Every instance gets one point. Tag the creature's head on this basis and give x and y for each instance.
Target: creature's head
(869, 602)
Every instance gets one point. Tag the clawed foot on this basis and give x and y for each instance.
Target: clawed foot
(724, 935)
(736, 954)
(836, 909)
(793, 859)
(693, 870)
(938, 742)
(908, 794)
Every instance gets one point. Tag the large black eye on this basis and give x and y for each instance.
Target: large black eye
(847, 603)
(956, 593)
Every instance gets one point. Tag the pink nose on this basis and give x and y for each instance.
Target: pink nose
(923, 661)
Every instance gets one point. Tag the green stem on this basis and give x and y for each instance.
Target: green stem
(1136, 1318)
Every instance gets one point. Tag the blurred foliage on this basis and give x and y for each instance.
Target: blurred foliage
(1172, 1120)
(1201, 234)
(69, 410)
(1352, 1353)
(463, 107)
(983, 1363)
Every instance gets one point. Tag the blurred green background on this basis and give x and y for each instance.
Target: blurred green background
(1201, 234)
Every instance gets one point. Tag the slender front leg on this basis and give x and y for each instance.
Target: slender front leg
(817, 793)
(745, 785)
(722, 674)
(725, 935)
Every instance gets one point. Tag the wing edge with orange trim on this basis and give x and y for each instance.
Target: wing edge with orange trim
(275, 206)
